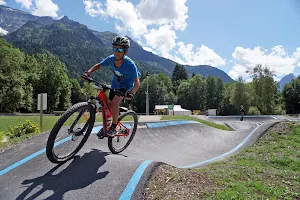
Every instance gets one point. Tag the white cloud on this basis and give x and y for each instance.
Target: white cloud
(162, 39)
(172, 12)
(120, 10)
(150, 50)
(26, 3)
(3, 32)
(174, 58)
(277, 60)
(93, 8)
(238, 70)
(45, 8)
(202, 55)
(2, 2)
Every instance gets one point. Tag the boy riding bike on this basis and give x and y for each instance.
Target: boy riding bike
(125, 79)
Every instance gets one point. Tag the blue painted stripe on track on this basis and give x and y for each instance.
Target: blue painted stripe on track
(128, 192)
(4, 171)
(21, 162)
(247, 116)
(222, 155)
(170, 123)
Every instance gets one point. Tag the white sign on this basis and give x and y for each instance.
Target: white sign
(44, 101)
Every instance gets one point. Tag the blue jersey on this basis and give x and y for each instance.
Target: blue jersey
(124, 75)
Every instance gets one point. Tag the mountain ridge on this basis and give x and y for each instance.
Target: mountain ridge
(286, 80)
(42, 32)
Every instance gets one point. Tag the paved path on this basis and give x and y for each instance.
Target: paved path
(94, 173)
(149, 118)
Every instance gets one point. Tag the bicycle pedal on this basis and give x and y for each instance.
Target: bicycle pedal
(100, 134)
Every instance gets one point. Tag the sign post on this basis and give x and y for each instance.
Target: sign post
(42, 105)
(147, 99)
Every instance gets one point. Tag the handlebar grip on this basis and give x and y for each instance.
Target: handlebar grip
(86, 78)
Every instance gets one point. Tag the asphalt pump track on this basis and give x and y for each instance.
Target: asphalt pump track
(95, 173)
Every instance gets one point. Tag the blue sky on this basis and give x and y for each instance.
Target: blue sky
(232, 35)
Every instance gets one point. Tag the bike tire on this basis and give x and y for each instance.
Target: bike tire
(110, 139)
(51, 139)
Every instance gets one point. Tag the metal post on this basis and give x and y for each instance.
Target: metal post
(41, 113)
(147, 99)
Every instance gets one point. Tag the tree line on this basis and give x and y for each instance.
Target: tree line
(24, 76)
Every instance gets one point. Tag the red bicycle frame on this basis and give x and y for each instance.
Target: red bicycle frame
(105, 115)
(105, 106)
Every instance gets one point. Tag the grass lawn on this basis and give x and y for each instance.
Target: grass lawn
(6, 121)
(184, 117)
(48, 123)
(270, 169)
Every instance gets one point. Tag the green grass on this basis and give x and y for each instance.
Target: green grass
(270, 169)
(13, 141)
(48, 123)
(184, 117)
(6, 121)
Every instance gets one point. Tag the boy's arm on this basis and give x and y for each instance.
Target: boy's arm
(94, 68)
(105, 62)
(136, 85)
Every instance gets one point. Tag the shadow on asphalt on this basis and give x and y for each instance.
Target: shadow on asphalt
(81, 172)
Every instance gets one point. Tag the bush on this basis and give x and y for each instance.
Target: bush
(2, 136)
(278, 110)
(25, 128)
(253, 111)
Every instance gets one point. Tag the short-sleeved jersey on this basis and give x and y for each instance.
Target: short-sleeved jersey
(124, 75)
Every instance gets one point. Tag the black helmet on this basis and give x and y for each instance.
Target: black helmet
(122, 41)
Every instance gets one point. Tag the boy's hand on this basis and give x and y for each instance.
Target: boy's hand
(129, 95)
(87, 73)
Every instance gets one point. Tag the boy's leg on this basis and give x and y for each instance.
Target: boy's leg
(114, 104)
(115, 108)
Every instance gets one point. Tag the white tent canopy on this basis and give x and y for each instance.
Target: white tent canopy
(177, 110)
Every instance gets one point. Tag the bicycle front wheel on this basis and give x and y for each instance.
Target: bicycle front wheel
(70, 132)
(126, 130)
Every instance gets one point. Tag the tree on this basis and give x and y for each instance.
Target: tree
(226, 107)
(219, 91)
(179, 74)
(88, 90)
(239, 95)
(12, 80)
(211, 89)
(291, 96)
(160, 92)
(198, 93)
(31, 71)
(184, 94)
(76, 92)
(54, 81)
(263, 86)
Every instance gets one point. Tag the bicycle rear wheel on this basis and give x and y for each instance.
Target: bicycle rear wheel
(126, 130)
(73, 128)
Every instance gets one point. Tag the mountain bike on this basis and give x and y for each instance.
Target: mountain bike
(78, 121)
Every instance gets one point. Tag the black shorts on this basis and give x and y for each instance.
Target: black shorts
(112, 94)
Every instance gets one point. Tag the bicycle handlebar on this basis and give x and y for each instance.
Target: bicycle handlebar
(104, 86)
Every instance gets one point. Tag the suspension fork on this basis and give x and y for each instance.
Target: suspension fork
(104, 108)
(78, 117)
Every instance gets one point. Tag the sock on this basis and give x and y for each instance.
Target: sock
(113, 125)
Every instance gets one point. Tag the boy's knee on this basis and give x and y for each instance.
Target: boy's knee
(116, 101)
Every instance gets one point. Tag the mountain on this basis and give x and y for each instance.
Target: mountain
(206, 70)
(12, 19)
(79, 47)
(285, 80)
